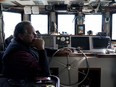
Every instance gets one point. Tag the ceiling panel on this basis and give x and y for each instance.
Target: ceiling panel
(46, 2)
(25, 2)
(86, 5)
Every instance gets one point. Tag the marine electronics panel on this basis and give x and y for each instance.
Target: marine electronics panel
(63, 41)
(56, 41)
(86, 43)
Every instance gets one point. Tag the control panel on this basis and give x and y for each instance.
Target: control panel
(63, 41)
(87, 43)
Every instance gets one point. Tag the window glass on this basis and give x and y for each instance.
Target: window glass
(40, 23)
(114, 26)
(66, 23)
(93, 23)
(10, 20)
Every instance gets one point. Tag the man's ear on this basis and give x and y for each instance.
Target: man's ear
(20, 36)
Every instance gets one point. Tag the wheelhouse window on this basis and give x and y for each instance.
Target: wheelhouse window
(10, 20)
(93, 23)
(113, 26)
(66, 23)
(40, 23)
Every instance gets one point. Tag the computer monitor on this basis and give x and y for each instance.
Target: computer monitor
(80, 41)
(101, 42)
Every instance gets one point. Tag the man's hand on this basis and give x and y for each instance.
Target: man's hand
(64, 52)
(38, 43)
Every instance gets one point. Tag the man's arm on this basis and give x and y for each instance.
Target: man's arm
(25, 61)
(44, 63)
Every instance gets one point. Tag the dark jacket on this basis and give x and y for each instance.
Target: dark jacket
(21, 61)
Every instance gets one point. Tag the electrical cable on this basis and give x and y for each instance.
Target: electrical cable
(68, 66)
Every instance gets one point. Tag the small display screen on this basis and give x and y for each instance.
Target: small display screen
(101, 42)
(81, 29)
(81, 42)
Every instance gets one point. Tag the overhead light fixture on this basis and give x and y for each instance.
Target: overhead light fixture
(31, 9)
(35, 9)
(27, 9)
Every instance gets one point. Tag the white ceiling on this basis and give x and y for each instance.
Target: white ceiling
(49, 2)
(88, 5)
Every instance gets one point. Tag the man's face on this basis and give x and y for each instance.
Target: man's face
(29, 35)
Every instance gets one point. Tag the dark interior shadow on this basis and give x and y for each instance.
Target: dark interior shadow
(113, 72)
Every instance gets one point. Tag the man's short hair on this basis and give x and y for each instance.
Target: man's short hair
(20, 28)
